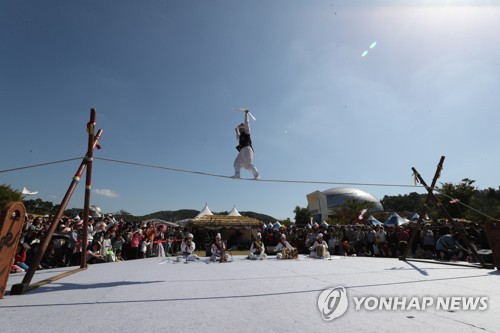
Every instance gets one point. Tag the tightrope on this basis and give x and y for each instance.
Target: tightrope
(260, 180)
(41, 164)
(229, 177)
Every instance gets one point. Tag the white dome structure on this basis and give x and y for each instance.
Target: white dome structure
(321, 203)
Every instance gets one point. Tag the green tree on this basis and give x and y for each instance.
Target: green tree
(350, 211)
(287, 222)
(38, 206)
(464, 191)
(7, 194)
(302, 215)
(412, 202)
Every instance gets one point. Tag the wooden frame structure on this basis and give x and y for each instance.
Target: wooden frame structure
(86, 163)
(431, 197)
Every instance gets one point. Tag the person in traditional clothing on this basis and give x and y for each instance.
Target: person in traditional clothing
(159, 239)
(245, 155)
(281, 245)
(188, 247)
(217, 248)
(257, 249)
(319, 250)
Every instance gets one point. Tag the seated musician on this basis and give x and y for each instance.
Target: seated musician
(257, 249)
(188, 247)
(281, 245)
(319, 250)
(218, 249)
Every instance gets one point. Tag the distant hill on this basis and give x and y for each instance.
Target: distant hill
(172, 216)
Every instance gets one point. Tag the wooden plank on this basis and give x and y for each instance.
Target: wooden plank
(11, 224)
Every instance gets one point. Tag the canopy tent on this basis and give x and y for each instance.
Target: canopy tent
(324, 224)
(234, 212)
(373, 221)
(277, 226)
(395, 220)
(415, 217)
(204, 211)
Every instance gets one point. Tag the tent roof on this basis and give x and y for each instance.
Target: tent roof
(373, 220)
(234, 212)
(204, 211)
(395, 220)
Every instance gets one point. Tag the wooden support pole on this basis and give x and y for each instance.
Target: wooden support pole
(22, 287)
(88, 186)
(457, 226)
(415, 228)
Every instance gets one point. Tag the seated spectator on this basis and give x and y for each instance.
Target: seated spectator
(448, 247)
(365, 252)
(94, 254)
(20, 257)
(15, 269)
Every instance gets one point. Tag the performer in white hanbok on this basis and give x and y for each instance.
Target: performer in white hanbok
(282, 244)
(188, 247)
(245, 155)
(319, 250)
(218, 250)
(257, 249)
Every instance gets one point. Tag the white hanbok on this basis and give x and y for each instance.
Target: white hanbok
(257, 252)
(245, 155)
(314, 254)
(282, 244)
(216, 250)
(187, 251)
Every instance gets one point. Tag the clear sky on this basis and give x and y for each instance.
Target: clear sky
(343, 91)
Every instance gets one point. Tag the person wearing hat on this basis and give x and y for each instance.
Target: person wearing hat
(218, 249)
(188, 247)
(319, 250)
(281, 245)
(257, 249)
(245, 149)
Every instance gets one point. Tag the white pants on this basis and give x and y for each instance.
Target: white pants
(213, 257)
(314, 255)
(191, 257)
(262, 256)
(245, 160)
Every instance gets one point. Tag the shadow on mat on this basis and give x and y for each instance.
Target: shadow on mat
(413, 267)
(58, 286)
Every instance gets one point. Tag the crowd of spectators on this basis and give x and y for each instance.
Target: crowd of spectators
(110, 240)
(435, 240)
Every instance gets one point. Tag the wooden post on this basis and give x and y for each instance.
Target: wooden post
(88, 186)
(415, 228)
(22, 287)
(457, 226)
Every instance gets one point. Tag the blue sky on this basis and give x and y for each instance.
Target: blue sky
(165, 77)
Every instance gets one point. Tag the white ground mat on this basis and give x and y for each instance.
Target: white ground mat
(161, 295)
